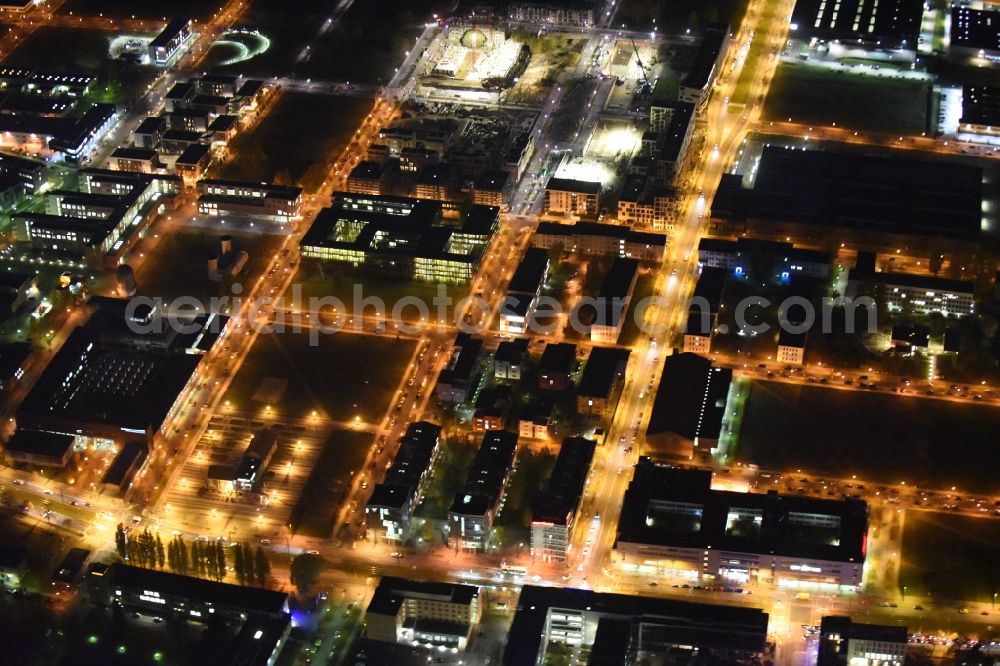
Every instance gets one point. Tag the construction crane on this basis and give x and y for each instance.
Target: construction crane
(646, 86)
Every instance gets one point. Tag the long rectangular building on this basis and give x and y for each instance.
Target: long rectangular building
(905, 292)
(471, 516)
(887, 24)
(697, 85)
(523, 291)
(628, 629)
(554, 513)
(391, 504)
(871, 201)
(674, 524)
(592, 238)
(276, 203)
(613, 301)
(687, 413)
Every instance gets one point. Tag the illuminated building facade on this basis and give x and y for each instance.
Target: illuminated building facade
(401, 236)
(554, 513)
(477, 504)
(674, 524)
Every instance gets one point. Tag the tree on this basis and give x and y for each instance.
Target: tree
(121, 542)
(220, 560)
(160, 555)
(183, 556)
(239, 564)
(305, 570)
(261, 566)
(248, 569)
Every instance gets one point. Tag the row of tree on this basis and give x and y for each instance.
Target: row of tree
(196, 558)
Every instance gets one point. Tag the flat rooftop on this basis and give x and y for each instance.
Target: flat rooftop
(690, 398)
(561, 495)
(604, 367)
(876, 193)
(674, 506)
(90, 383)
(975, 28)
(981, 104)
(490, 468)
(888, 23)
(708, 53)
(250, 599)
(681, 622)
(392, 592)
(530, 272)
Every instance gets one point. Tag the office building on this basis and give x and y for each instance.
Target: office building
(392, 502)
(259, 619)
(409, 611)
(61, 138)
(171, 41)
(690, 403)
(765, 259)
(99, 224)
(554, 512)
(135, 160)
(274, 203)
(149, 132)
(907, 292)
(494, 188)
(478, 503)
(974, 32)
(602, 376)
(627, 629)
(696, 87)
(673, 524)
(458, 380)
(980, 108)
(366, 178)
(30, 172)
(523, 291)
(592, 238)
(576, 198)
(843, 642)
(613, 301)
(400, 236)
(870, 201)
(192, 162)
